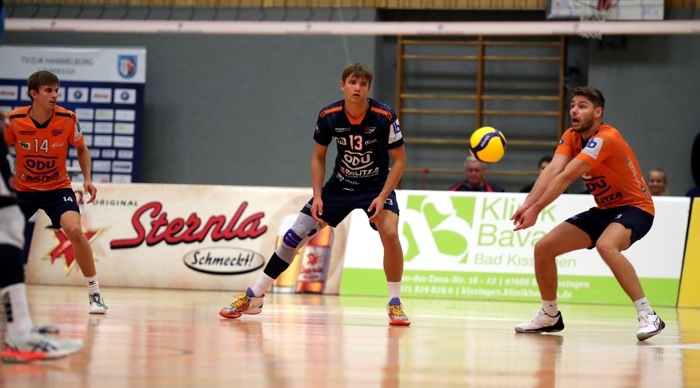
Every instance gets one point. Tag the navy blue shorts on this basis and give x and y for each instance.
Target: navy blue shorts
(339, 201)
(594, 221)
(53, 202)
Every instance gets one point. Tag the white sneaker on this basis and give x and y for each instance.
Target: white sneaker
(542, 323)
(97, 304)
(649, 326)
(37, 346)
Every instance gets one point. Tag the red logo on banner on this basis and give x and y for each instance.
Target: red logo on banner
(191, 230)
(64, 249)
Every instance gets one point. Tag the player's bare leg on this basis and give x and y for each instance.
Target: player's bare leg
(251, 302)
(562, 239)
(614, 240)
(70, 223)
(388, 228)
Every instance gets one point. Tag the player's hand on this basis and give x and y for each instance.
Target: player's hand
(519, 213)
(91, 190)
(317, 210)
(378, 206)
(527, 219)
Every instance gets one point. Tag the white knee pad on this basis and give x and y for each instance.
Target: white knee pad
(12, 226)
(304, 228)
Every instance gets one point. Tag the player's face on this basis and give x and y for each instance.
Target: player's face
(46, 96)
(355, 88)
(583, 113)
(475, 174)
(657, 185)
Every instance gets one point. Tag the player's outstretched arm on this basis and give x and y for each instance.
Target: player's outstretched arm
(545, 178)
(318, 172)
(398, 165)
(85, 166)
(573, 170)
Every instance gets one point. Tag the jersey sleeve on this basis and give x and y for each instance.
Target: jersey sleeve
(599, 148)
(566, 145)
(395, 135)
(322, 135)
(7, 133)
(77, 138)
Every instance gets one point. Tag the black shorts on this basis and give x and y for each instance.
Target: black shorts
(594, 221)
(339, 201)
(53, 202)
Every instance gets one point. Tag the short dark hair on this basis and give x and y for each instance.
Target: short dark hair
(39, 79)
(358, 70)
(547, 159)
(592, 94)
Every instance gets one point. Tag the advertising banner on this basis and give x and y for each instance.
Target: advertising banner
(188, 237)
(690, 283)
(105, 89)
(462, 245)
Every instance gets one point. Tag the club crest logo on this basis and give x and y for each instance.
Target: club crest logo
(126, 65)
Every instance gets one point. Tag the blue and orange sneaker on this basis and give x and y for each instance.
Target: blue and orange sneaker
(396, 315)
(246, 303)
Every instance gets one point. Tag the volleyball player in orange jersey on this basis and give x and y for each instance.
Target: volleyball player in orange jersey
(624, 212)
(41, 134)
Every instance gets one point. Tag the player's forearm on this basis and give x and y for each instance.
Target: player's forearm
(552, 191)
(541, 184)
(318, 172)
(397, 168)
(85, 162)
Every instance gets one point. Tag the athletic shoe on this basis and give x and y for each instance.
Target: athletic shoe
(542, 323)
(97, 304)
(37, 346)
(649, 326)
(396, 315)
(246, 303)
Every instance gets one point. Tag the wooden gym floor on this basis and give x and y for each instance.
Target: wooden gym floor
(174, 338)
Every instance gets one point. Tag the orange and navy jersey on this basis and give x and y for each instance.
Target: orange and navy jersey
(41, 149)
(363, 144)
(615, 179)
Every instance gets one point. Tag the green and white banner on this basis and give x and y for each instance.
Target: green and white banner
(462, 245)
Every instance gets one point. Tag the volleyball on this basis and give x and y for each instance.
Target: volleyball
(487, 144)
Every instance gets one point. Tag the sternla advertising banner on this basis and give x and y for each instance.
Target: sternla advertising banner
(105, 89)
(188, 237)
(461, 245)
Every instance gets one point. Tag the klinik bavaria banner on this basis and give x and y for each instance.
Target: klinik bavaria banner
(462, 245)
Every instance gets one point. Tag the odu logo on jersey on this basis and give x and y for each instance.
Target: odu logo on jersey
(40, 164)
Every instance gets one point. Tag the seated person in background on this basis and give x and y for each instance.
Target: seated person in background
(694, 192)
(544, 162)
(474, 172)
(657, 182)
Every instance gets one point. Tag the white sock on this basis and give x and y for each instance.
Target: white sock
(550, 307)
(14, 299)
(263, 284)
(643, 307)
(93, 285)
(394, 289)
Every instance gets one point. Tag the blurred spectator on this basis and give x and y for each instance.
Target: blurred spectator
(657, 182)
(474, 172)
(694, 192)
(544, 162)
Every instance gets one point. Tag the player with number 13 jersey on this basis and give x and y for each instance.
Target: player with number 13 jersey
(363, 143)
